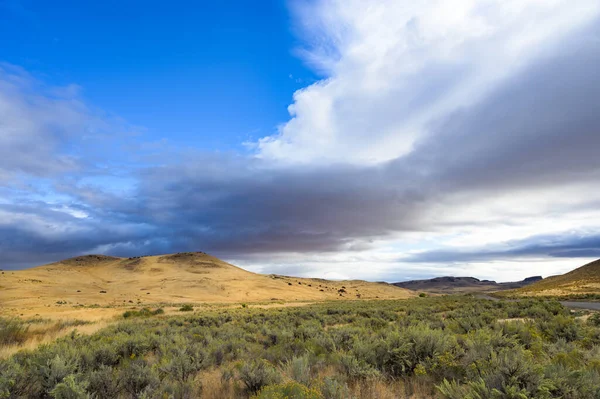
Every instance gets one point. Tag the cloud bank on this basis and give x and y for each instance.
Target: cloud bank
(441, 140)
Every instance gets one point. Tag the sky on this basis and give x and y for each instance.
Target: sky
(380, 140)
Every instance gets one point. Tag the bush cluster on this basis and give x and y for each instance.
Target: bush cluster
(455, 347)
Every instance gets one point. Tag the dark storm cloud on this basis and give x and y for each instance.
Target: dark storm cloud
(35, 233)
(558, 246)
(274, 210)
(540, 129)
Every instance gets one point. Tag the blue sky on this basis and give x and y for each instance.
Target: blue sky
(209, 75)
(381, 140)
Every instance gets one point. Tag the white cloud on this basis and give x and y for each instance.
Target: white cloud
(394, 67)
(395, 71)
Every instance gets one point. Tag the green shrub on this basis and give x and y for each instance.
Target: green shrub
(104, 382)
(356, 369)
(183, 363)
(455, 343)
(561, 327)
(257, 374)
(429, 349)
(54, 371)
(186, 308)
(594, 320)
(299, 369)
(291, 390)
(145, 312)
(69, 389)
(12, 331)
(137, 377)
(331, 388)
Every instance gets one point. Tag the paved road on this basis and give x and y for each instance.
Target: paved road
(568, 304)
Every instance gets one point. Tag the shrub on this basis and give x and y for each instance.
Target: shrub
(419, 343)
(104, 382)
(136, 377)
(287, 391)
(357, 370)
(298, 368)
(594, 320)
(432, 350)
(12, 331)
(257, 374)
(331, 388)
(54, 371)
(186, 308)
(69, 389)
(145, 312)
(561, 327)
(184, 362)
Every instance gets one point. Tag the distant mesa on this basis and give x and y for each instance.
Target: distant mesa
(533, 279)
(451, 284)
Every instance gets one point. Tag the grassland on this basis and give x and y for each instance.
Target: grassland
(71, 288)
(443, 347)
(582, 283)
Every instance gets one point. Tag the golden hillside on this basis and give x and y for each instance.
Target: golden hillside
(583, 280)
(178, 278)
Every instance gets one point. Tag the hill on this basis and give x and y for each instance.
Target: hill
(192, 277)
(451, 285)
(582, 281)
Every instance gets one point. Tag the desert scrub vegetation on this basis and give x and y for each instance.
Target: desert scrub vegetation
(186, 308)
(12, 331)
(433, 347)
(144, 312)
(15, 331)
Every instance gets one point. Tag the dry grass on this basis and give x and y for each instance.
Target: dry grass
(43, 331)
(215, 387)
(379, 389)
(581, 281)
(97, 287)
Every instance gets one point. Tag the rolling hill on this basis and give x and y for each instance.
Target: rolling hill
(453, 285)
(581, 281)
(191, 277)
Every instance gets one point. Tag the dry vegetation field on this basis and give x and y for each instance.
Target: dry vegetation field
(90, 292)
(580, 283)
(96, 287)
(189, 325)
(440, 347)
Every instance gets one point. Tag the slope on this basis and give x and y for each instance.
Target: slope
(97, 280)
(583, 281)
